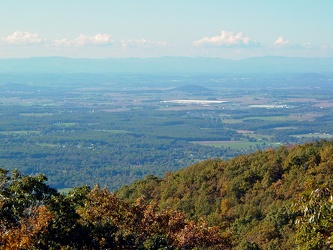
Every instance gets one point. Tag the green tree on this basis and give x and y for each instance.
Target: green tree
(24, 214)
(315, 220)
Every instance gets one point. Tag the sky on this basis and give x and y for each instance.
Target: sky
(231, 29)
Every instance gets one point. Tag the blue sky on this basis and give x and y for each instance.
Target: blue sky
(231, 29)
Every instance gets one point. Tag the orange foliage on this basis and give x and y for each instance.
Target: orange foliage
(22, 236)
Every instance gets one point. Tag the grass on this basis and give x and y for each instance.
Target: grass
(314, 135)
(232, 121)
(283, 128)
(268, 118)
(65, 190)
(35, 114)
(259, 136)
(67, 124)
(237, 145)
(115, 131)
(50, 145)
(19, 132)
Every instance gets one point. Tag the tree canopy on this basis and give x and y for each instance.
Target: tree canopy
(272, 199)
(255, 196)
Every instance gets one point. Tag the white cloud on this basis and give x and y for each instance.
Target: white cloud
(312, 46)
(286, 44)
(22, 38)
(308, 45)
(227, 39)
(143, 43)
(82, 40)
(281, 41)
(326, 47)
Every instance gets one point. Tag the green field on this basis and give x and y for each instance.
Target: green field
(238, 145)
(314, 135)
(268, 118)
(20, 132)
(114, 131)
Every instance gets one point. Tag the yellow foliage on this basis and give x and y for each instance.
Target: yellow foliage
(22, 236)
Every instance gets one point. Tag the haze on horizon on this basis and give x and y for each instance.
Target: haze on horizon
(191, 28)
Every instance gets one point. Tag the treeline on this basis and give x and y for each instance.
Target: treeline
(72, 158)
(271, 199)
(35, 216)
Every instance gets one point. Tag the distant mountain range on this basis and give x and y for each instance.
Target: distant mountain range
(168, 65)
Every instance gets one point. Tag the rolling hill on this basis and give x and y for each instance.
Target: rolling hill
(272, 199)
(258, 197)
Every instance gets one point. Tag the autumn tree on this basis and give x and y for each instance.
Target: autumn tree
(116, 224)
(23, 209)
(315, 220)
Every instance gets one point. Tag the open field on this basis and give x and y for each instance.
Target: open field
(237, 145)
(20, 132)
(267, 118)
(314, 136)
(114, 131)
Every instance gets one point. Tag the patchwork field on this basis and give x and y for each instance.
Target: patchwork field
(114, 129)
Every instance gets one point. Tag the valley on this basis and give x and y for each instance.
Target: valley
(113, 129)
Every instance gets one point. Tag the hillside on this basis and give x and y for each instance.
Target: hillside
(253, 196)
(272, 199)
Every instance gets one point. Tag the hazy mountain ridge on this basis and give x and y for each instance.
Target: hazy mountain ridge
(192, 89)
(269, 64)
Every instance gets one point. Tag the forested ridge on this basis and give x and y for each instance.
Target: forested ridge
(271, 199)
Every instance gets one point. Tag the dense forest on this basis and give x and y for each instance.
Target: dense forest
(35, 216)
(271, 199)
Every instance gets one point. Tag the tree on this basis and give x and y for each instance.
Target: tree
(23, 209)
(116, 224)
(315, 221)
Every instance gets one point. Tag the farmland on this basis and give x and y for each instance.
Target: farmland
(114, 129)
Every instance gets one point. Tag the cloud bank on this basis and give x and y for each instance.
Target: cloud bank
(227, 39)
(281, 41)
(26, 38)
(103, 44)
(82, 40)
(142, 43)
(22, 38)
